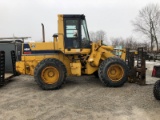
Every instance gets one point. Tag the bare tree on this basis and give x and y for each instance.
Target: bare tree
(99, 35)
(92, 36)
(130, 42)
(117, 41)
(148, 22)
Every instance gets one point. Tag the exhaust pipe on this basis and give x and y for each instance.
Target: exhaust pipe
(43, 32)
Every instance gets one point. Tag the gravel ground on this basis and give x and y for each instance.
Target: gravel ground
(81, 98)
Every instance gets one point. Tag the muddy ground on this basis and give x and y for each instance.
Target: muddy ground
(81, 98)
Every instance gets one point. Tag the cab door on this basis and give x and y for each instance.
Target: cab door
(72, 32)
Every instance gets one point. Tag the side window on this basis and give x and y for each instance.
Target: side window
(71, 28)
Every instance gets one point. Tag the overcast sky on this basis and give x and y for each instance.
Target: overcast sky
(24, 17)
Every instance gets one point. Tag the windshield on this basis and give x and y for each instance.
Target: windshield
(85, 35)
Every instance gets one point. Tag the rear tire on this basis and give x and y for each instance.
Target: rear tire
(50, 74)
(156, 90)
(113, 72)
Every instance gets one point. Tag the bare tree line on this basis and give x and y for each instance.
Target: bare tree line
(129, 42)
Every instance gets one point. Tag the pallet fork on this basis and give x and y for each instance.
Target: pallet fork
(137, 73)
(3, 75)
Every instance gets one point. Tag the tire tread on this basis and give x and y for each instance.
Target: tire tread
(42, 63)
(106, 63)
(156, 90)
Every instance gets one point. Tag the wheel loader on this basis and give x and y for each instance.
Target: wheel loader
(71, 54)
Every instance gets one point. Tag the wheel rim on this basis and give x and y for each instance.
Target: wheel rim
(50, 75)
(115, 72)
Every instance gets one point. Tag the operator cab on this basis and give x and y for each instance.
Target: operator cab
(75, 32)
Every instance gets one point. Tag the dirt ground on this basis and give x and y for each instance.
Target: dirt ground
(81, 98)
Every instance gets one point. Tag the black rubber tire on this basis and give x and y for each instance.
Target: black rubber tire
(50, 62)
(104, 66)
(156, 90)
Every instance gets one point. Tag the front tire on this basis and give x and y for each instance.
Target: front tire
(113, 72)
(156, 90)
(50, 74)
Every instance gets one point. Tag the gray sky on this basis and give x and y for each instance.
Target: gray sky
(24, 17)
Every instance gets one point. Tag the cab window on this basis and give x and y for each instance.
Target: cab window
(71, 28)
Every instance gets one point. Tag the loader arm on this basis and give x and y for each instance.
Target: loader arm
(101, 53)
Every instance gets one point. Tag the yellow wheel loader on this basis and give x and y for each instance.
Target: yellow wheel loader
(71, 54)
